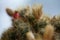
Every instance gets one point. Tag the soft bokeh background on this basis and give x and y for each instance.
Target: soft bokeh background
(50, 7)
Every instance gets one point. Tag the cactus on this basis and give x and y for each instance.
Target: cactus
(29, 21)
(18, 32)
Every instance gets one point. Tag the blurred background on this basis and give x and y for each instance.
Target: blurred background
(50, 8)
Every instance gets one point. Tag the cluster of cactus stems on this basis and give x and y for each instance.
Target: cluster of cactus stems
(29, 19)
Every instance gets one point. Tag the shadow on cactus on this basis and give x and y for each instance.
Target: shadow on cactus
(39, 27)
(56, 23)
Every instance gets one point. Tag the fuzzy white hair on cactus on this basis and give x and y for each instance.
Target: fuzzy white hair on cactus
(49, 31)
(30, 36)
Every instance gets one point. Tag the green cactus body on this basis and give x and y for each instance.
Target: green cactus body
(17, 32)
